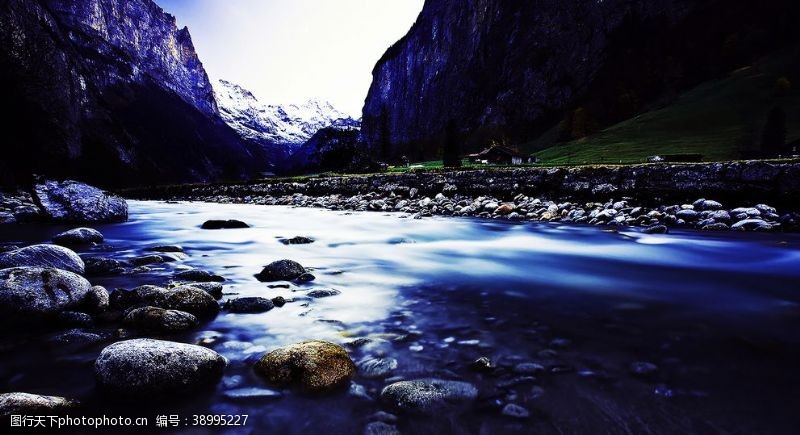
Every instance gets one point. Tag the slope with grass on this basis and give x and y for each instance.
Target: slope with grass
(721, 120)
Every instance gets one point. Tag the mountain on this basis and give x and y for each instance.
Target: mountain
(515, 72)
(285, 127)
(111, 92)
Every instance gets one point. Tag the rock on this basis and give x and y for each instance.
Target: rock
(427, 396)
(299, 240)
(7, 218)
(528, 368)
(143, 367)
(191, 300)
(212, 288)
(54, 256)
(707, 204)
(198, 276)
(96, 299)
(77, 338)
(279, 301)
(281, 270)
(306, 277)
(716, 226)
(27, 213)
(643, 368)
(160, 320)
(71, 201)
(78, 236)
(373, 368)
(28, 291)
(74, 318)
(719, 215)
(249, 305)
(145, 260)
(752, 224)
(687, 215)
(223, 224)
(380, 428)
(515, 411)
(100, 266)
(323, 293)
(165, 248)
(313, 366)
(656, 229)
(34, 404)
(504, 209)
(482, 364)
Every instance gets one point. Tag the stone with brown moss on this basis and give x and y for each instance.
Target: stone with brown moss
(312, 366)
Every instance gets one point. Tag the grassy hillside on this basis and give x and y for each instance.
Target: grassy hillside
(721, 119)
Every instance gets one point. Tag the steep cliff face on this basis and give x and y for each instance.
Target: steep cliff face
(511, 71)
(110, 91)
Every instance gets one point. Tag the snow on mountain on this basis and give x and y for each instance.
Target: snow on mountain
(288, 125)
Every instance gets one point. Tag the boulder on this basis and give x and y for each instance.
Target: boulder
(165, 248)
(71, 201)
(281, 270)
(101, 266)
(299, 240)
(323, 293)
(427, 396)
(54, 256)
(198, 276)
(33, 404)
(160, 320)
(143, 367)
(192, 300)
(40, 291)
(223, 224)
(313, 366)
(78, 236)
(249, 305)
(145, 260)
(96, 300)
(212, 288)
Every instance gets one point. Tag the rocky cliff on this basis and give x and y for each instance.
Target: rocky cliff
(512, 71)
(109, 91)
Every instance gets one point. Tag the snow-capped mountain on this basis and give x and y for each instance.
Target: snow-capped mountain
(288, 125)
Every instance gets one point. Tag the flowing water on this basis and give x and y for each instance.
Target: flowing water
(717, 313)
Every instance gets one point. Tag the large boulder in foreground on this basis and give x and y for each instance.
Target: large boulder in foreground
(145, 366)
(313, 366)
(281, 270)
(55, 256)
(40, 291)
(71, 201)
(427, 396)
(33, 404)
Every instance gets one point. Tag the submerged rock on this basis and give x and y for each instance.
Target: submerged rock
(54, 256)
(198, 276)
(160, 320)
(380, 428)
(643, 368)
(101, 266)
(145, 260)
(249, 305)
(427, 396)
(323, 293)
(515, 411)
(165, 248)
(313, 366)
(34, 404)
(78, 236)
(299, 240)
(40, 291)
(71, 201)
(370, 367)
(281, 270)
(223, 224)
(145, 366)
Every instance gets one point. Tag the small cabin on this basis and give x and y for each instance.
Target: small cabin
(676, 158)
(498, 155)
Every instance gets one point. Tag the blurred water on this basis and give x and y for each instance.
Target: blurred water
(717, 312)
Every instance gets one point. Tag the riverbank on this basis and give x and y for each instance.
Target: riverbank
(750, 195)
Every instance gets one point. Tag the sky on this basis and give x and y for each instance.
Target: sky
(289, 51)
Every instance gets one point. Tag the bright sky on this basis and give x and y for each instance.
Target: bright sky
(288, 51)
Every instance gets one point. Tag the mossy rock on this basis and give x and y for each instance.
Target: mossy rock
(312, 366)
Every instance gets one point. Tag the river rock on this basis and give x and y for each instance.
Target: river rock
(515, 411)
(192, 300)
(160, 320)
(323, 293)
(198, 276)
(54, 256)
(96, 300)
(281, 270)
(212, 288)
(145, 260)
(78, 236)
(643, 368)
(279, 301)
(427, 396)
(165, 248)
(656, 229)
(40, 291)
(249, 305)
(101, 266)
(223, 224)
(752, 225)
(142, 367)
(313, 366)
(34, 404)
(71, 201)
(371, 367)
(299, 240)
(380, 428)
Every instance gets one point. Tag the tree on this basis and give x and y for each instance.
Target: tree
(450, 154)
(773, 142)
